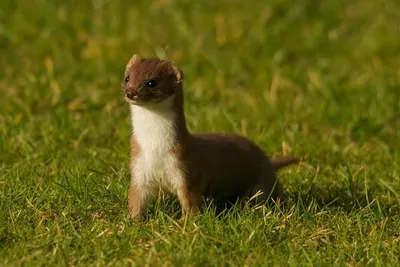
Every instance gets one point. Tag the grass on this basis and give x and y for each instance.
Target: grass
(317, 79)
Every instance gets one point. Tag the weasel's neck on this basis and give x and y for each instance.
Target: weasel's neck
(159, 127)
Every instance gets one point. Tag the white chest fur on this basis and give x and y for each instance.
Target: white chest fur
(154, 130)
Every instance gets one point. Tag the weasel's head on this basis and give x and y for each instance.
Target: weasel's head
(149, 81)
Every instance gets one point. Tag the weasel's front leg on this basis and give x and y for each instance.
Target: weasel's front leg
(189, 200)
(137, 200)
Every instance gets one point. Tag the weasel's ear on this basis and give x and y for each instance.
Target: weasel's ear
(135, 58)
(178, 73)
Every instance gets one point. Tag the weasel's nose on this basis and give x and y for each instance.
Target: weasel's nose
(130, 94)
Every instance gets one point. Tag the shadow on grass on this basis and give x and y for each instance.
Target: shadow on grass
(342, 199)
(89, 193)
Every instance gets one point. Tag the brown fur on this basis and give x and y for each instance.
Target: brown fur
(214, 165)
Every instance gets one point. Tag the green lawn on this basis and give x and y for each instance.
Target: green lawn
(316, 79)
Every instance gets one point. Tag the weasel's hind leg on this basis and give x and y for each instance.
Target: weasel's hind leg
(266, 189)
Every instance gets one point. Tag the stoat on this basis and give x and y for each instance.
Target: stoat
(164, 154)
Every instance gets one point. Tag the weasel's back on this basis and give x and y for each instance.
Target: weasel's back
(228, 162)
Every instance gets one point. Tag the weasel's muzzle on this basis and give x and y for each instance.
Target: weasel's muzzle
(130, 94)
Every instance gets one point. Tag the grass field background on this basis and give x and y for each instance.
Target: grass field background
(316, 79)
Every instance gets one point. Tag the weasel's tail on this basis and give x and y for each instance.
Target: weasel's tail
(282, 161)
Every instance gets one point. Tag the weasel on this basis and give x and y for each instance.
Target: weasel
(164, 154)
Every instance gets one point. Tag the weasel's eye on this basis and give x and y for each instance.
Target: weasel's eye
(127, 79)
(152, 83)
